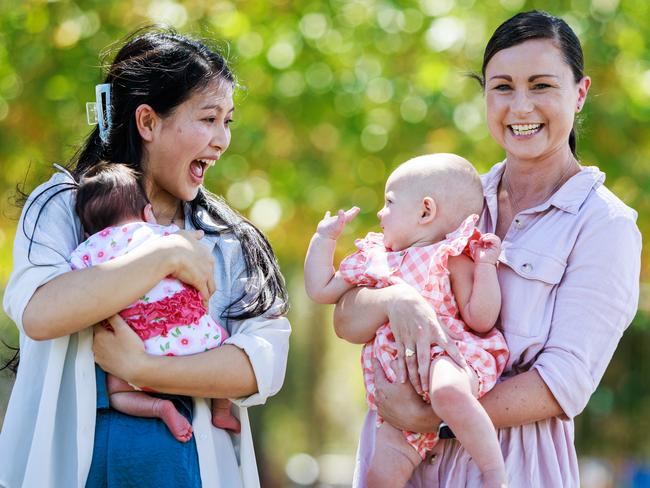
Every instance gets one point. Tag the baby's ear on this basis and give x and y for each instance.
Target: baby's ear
(428, 210)
(147, 214)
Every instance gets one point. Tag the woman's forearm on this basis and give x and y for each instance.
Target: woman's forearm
(224, 372)
(360, 312)
(75, 300)
(522, 399)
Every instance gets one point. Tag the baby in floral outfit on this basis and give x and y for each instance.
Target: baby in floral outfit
(431, 243)
(171, 318)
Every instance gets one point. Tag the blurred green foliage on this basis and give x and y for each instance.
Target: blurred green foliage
(334, 94)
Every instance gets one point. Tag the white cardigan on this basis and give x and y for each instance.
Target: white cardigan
(48, 431)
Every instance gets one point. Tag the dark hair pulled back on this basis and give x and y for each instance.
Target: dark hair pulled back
(526, 26)
(157, 67)
(163, 69)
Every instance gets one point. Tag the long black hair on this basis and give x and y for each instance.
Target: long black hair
(163, 69)
(526, 26)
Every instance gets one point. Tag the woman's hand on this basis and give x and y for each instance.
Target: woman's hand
(401, 406)
(415, 326)
(119, 351)
(191, 261)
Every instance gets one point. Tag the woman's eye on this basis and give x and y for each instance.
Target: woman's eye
(541, 86)
(229, 121)
(210, 120)
(502, 88)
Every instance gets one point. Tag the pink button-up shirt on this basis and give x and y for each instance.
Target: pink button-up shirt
(569, 276)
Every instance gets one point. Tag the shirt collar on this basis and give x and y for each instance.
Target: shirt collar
(569, 197)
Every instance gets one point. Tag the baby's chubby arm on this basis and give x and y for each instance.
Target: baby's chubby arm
(475, 284)
(322, 282)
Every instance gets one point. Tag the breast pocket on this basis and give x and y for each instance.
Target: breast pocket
(528, 282)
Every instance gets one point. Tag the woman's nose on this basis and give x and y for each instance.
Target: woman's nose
(380, 213)
(522, 102)
(220, 139)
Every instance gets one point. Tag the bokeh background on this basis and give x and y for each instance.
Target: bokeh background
(334, 95)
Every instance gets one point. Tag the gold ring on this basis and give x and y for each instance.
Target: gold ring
(408, 352)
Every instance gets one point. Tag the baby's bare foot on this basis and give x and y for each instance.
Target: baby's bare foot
(178, 425)
(223, 419)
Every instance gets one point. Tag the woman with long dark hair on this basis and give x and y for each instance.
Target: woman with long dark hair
(164, 109)
(568, 270)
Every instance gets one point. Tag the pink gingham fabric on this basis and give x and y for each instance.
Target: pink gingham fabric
(425, 269)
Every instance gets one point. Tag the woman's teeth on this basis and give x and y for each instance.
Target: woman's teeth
(525, 129)
(207, 162)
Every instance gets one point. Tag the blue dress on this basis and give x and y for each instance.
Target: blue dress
(140, 452)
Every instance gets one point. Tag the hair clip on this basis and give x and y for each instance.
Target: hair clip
(99, 111)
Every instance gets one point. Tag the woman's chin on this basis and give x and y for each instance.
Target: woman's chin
(524, 153)
(189, 194)
(525, 149)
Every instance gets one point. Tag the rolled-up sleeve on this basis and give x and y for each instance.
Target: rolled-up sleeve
(595, 302)
(51, 230)
(265, 340)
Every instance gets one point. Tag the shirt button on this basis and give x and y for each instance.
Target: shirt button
(432, 459)
(519, 223)
(526, 267)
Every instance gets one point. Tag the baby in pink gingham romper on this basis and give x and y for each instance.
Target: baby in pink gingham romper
(431, 243)
(171, 318)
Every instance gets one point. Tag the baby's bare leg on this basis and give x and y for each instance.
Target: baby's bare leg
(393, 460)
(222, 417)
(125, 399)
(453, 398)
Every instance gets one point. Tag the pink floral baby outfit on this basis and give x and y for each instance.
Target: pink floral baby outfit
(425, 269)
(170, 318)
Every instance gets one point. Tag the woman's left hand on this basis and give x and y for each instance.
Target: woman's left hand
(400, 405)
(415, 326)
(119, 351)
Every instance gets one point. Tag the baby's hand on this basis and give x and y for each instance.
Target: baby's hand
(486, 249)
(331, 227)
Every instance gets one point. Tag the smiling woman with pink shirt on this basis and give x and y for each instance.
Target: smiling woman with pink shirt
(568, 270)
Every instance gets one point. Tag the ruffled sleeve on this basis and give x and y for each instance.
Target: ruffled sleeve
(457, 242)
(366, 266)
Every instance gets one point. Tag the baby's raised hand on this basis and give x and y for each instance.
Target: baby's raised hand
(486, 249)
(332, 226)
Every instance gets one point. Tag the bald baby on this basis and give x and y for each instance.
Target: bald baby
(450, 180)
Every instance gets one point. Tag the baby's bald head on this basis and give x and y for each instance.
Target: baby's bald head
(450, 180)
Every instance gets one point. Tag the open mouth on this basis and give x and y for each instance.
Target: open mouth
(199, 166)
(525, 129)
